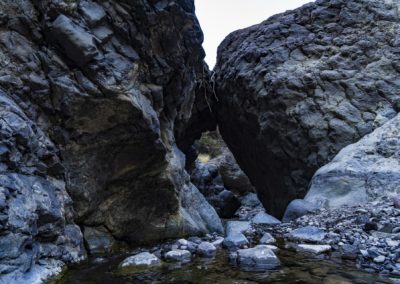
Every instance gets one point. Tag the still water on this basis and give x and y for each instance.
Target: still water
(295, 269)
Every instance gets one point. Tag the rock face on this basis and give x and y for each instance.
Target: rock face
(95, 97)
(297, 88)
(361, 172)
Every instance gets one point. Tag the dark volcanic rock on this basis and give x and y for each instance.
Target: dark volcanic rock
(94, 98)
(297, 88)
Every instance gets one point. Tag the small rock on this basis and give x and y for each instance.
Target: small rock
(267, 239)
(218, 242)
(235, 240)
(263, 218)
(316, 249)
(178, 255)
(142, 259)
(396, 202)
(370, 226)
(181, 242)
(307, 234)
(379, 259)
(206, 249)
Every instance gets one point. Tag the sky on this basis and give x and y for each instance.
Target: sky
(218, 18)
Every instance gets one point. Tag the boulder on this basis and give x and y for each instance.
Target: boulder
(300, 86)
(361, 172)
(258, 258)
(262, 218)
(298, 208)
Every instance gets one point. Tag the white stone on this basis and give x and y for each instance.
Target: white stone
(316, 249)
(141, 259)
(178, 255)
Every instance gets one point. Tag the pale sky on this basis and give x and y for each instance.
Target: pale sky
(218, 18)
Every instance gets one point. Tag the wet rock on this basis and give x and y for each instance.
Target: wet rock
(206, 249)
(258, 258)
(315, 249)
(263, 218)
(267, 239)
(298, 208)
(307, 234)
(178, 255)
(145, 259)
(235, 240)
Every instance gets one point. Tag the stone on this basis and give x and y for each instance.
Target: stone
(262, 218)
(396, 201)
(250, 200)
(98, 240)
(92, 12)
(145, 259)
(379, 259)
(307, 234)
(370, 226)
(362, 171)
(297, 88)
(237, 227)
(178, 255)
(218, 242)
(314, 249)
(235, 240)
(206, 249)
(259, 258)
(79, 44)
(267, 239)
(298, 208)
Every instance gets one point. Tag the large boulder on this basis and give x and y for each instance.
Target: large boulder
(95, 96)
(297, 88)
(361, 172)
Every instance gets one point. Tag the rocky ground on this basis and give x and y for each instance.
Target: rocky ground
(367, 234)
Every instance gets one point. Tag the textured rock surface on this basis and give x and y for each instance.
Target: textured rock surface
(361, 172)
(297, 88)
(258, 258)
(298, 208)
(94, 98)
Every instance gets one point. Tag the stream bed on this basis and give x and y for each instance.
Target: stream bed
(295, 268)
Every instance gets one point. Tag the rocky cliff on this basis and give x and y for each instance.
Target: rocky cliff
(297, 88)
(95, 96)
